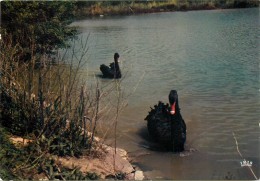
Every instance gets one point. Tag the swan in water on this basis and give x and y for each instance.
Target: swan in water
(112, 71)
(166, 125)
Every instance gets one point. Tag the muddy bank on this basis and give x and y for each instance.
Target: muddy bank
(105, 161)
(110, 164)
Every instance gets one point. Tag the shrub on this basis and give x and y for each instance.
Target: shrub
(47, 102)
(44, 24)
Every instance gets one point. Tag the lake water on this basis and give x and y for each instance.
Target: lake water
(212, 59)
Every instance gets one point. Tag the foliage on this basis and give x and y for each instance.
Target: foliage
(117, 176)
(95, 8)
(49, 102)
(212, 4)
(6, 151)
(27, 162)
(53, 171)
(50, 105)
(43, 24)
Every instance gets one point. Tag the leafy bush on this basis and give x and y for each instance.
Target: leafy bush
(43, 24)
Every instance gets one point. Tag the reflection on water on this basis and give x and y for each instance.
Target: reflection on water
(211, 59)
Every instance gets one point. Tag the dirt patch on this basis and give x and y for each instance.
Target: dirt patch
(108, 163)
(18, 141)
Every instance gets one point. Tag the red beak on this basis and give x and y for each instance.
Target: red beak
(173, 108)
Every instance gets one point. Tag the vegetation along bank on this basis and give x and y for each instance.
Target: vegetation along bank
(44, 103)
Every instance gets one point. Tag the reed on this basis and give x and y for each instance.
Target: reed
(46, 101)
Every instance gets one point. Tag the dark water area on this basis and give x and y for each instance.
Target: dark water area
(212, 59)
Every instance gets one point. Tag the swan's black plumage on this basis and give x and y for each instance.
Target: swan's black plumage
(112, 71)
(166, 125)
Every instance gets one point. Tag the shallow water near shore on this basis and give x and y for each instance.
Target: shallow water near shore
(211, 58)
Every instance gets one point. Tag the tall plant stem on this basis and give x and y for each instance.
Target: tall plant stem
(116, 118)
(96, 116)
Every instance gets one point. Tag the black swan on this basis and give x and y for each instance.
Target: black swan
(166, 126)
(113, 71)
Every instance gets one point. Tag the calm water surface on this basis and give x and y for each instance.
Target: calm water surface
(211, 58)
